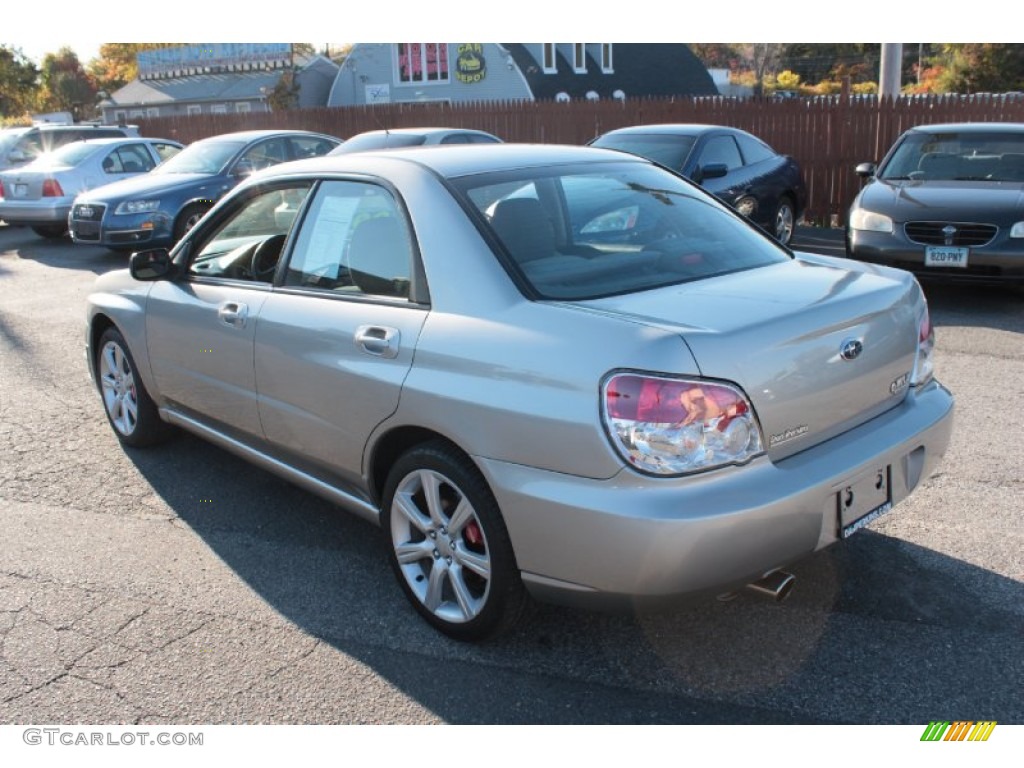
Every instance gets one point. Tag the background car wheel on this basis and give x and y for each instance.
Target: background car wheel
(188, 218)
(129, 408)
(51, 231)
(784, 221)
(449, 546)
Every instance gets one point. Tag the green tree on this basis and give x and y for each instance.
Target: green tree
(17, 83)
(973, 67)
(66, 86)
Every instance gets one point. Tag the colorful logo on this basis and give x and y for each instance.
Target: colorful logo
(961, 730)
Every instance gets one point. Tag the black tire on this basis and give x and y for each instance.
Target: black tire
(129, 408)
(444, 555)
(51, 231)
(784, 220)
(188, 218)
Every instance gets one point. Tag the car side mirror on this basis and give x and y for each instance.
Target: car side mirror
(865, 170)
(712, 171)
(243, 168)
(151, 265)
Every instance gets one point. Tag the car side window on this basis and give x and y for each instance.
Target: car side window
(309, 146)
(265, 154)
(455, 138)
(721, 149)
(165, 151)
(354, 241)
(754, 151)
(248, 243)
(130, 159)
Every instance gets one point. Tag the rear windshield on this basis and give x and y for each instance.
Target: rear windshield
(670, 151)
(600, 229)
(956, 156)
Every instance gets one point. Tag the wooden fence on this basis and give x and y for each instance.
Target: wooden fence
(828, 137)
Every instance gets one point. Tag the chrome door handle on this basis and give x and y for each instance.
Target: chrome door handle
(378, 340)
(233, 314)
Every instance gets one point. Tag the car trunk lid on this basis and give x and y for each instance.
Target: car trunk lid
(817, 347)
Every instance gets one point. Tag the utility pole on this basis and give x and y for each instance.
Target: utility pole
(889, 76)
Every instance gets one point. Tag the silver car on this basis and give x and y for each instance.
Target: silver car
(40, 194)
(557, 372)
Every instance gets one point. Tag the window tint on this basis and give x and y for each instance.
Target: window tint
(721, 149)
(266, 154)
(754, 151)
(455, 138)
(248, 243)
(583, 233)
(354, 241)
(670, 151)
(130, 159)
(310, 146)
(165, 151)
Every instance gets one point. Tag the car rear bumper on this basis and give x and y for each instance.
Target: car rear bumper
(1001, 261)
(633, 539)
(45, 211)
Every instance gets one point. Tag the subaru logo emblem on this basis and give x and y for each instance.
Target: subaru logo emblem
(851, 349)
(949, 230)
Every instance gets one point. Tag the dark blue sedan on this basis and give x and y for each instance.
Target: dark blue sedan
(158, 208)
(737, 167)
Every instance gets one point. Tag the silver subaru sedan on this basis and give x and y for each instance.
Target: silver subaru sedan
(552, 372)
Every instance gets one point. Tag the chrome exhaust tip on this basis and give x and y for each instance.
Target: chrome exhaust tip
(776, 585)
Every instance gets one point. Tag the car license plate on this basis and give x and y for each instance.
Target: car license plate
(945, 256)
(20, 190)
(864, 499)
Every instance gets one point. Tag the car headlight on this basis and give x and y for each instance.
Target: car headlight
(137, 206)
(747, 205)
(870, 221)
(1017, 230)
(669, 426)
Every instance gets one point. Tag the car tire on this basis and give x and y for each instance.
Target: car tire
(450, 549)
(188, 218)
(130, 410)
(51, 231)
(784, 220)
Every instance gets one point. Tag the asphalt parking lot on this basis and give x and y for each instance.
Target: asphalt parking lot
(181, 585)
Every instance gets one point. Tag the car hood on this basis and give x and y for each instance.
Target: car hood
(995, 202)
(148, 184)
(778, 331)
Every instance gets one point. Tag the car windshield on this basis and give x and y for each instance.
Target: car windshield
(957, 156)
(588, 231)
(201, 157)
(668, 150)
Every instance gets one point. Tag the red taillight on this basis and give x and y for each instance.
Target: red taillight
(926, 326)
(51, 188)
(1, 189)
(664, 401)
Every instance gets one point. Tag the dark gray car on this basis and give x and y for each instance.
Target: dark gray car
(946, 202)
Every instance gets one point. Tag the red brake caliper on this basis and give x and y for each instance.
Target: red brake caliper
(473, 535)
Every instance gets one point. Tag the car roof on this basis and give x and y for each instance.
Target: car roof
(262, 134)
(970, 128)
(122, 140)
(419, 131)
(679, 129)
(458, 159)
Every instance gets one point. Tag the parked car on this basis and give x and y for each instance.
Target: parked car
(413, 137)
(8, 138)
(739, 168)
(40, 194)
(160, 207)
(41, 139)
(608, 391)
(945, 203)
